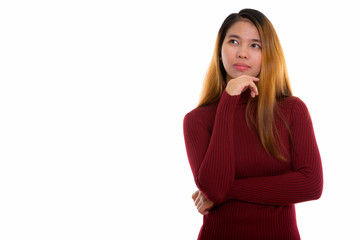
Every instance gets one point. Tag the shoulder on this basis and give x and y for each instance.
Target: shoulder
(203, 115)
(295, 108)
(292, 103)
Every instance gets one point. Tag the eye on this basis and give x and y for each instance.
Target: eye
(255, 45)
(233, 41)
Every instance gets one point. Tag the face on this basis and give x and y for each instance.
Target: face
(241, 50)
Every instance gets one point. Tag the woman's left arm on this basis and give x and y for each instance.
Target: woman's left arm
(304, 183)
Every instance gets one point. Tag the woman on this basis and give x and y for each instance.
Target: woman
(250, 143)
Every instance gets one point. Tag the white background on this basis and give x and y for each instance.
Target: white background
(92, 98)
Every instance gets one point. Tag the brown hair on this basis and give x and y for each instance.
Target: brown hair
(273, 84)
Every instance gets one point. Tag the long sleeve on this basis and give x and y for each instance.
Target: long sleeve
(210, 153)
(304, 183)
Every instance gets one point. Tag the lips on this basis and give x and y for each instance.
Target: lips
(241, 66)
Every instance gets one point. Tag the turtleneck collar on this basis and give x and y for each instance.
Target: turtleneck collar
(245, 97)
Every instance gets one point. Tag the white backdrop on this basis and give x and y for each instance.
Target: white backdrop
(92, 98)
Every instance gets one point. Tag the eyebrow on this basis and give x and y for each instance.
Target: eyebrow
(238, 37)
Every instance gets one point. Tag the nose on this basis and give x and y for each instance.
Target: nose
(242, 52)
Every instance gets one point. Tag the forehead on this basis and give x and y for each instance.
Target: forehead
(243, 28)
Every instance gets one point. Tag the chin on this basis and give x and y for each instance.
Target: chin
(241, 74)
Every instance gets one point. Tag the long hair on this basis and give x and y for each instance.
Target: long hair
(273, 81)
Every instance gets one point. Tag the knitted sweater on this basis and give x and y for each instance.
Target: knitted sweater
(254, 193)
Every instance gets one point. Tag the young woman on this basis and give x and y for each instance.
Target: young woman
(250, 143)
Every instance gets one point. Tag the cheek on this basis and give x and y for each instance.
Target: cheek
(259, 59)
(257, 63)
(225, 56)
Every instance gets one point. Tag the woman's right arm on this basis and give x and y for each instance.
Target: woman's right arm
(211, 154)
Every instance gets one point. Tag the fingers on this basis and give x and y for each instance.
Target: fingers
(195, 194)
(202, 204)
(238, 85)
(203, 211)
(254, 89)
(197, 201)
(203, 208)
(252, 86)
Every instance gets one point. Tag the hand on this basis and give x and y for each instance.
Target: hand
(202, 203)
(238, 85)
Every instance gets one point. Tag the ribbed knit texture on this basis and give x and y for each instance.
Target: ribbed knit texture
(254, 193)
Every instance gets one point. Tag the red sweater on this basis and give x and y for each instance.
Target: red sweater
(254, 193)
